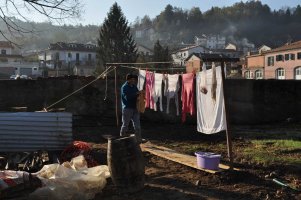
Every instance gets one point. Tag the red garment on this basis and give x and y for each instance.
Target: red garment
(187, 95)
(149, 89)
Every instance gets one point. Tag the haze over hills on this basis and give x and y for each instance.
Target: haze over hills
(251, 20)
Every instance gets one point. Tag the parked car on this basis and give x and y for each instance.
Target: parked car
(23, 77)
(13, 77)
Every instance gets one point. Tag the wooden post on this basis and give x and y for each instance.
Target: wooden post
(228, 132)
(116, 98)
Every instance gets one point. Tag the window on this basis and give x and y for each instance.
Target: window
(35, 68)
(287, 56)
(258, 74)
(292, 56)
(279, 57)
(69, 55)
(299, 55)
(298, 73)
(280, 73)
(3, 51)
(247, 75)
(271, 61)
(57, 56)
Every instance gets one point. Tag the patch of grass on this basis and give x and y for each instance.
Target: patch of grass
(270, 152)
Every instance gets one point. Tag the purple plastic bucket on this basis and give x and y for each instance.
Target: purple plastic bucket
(208, 160)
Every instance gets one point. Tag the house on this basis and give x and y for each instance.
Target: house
(145, 33)
(14, 64)
(211, 41)
(284, 62)
(254, 66)
(231, 46)
(195, 61)
(280, 63)
(6, 54)
(181, 55)
(264, 48)
(65, 56)
(143, 50)
(231, 53)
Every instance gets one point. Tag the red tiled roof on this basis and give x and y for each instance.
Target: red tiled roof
(291, 46)
(73, 47)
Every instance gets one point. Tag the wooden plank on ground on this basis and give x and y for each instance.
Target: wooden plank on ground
(184, 159)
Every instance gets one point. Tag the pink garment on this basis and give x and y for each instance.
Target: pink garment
(187, 95)
(149, 89)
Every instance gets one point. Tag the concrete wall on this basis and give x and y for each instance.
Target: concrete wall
(249, 101)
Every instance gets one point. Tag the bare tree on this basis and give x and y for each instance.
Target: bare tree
(53, 10)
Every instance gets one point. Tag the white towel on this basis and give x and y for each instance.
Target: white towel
(211, 116)
(172, 90)
(158, 90)
(141, 79)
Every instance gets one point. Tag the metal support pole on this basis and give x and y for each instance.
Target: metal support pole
(228, 132)
(116, 99)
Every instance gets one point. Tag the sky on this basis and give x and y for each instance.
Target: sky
(96, 10)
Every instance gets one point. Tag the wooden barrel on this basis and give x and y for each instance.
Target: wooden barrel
(126, 164)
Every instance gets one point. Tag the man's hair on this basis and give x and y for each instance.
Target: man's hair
(130, 76)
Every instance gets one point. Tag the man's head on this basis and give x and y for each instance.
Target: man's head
(131, 78)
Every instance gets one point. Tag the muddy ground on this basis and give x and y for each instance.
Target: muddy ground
(169, 180)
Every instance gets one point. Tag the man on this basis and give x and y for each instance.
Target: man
(129, 94)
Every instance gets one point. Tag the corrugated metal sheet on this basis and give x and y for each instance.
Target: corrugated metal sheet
(31, 131)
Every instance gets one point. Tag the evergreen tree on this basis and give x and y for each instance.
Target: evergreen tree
(161, 54)
(115, 42)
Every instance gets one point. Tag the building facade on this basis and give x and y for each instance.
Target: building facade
(181, 55)
(254, 68)
(65, 56)
(211, 41)
(14, 64)
(280, 63)
(143, 50)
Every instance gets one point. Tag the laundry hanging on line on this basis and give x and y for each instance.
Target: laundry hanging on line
(172, 89)
(141, 79)
(149, 89)
(211, 115)
(157, 91)
(187, 96)
(209, 96)
(141, 102)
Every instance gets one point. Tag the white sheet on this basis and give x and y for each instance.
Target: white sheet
(211, 115)
(141, 79)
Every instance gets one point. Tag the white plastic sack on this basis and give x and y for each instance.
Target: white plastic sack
(71, 181)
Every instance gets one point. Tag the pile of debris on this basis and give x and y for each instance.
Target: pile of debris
(36, 175)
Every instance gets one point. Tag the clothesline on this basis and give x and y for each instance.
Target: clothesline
(145, 63)
(150, 68)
